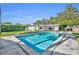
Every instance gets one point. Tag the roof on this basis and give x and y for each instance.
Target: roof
(49, 25)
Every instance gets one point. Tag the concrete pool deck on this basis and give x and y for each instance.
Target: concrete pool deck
(9, 46)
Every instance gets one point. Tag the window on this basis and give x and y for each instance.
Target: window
(50, 28)
(40, 27)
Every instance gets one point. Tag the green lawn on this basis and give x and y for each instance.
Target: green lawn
(3, 34)
(77, 36)
(12, 33)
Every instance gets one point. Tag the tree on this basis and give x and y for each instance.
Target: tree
(9, 27)
(52, 20)
(43, 22)
(38, 22)
(68, 17)
(69, 13)
(19, 27)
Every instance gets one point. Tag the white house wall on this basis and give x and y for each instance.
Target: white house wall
(44, 27)
(56, 28)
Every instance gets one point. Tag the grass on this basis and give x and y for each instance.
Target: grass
(78, 40)
(77, 36)
(3, 34)
(12, 33)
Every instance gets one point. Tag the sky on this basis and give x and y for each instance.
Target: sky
(28, 13)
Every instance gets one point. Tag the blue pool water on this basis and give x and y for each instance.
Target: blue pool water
(39, 41)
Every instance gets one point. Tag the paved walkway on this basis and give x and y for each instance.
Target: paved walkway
(69, 47)
(10, 48)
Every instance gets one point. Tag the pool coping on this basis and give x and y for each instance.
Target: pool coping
(58, 40)
(55, 44)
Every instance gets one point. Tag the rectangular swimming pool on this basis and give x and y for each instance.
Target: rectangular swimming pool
(39, 41)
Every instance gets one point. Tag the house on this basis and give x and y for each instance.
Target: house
(51, 27)
(68, 28)
(75, 28)
(32, 28)
(43, 27)
(72, 28)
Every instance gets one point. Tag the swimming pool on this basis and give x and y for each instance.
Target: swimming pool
(39, 41)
